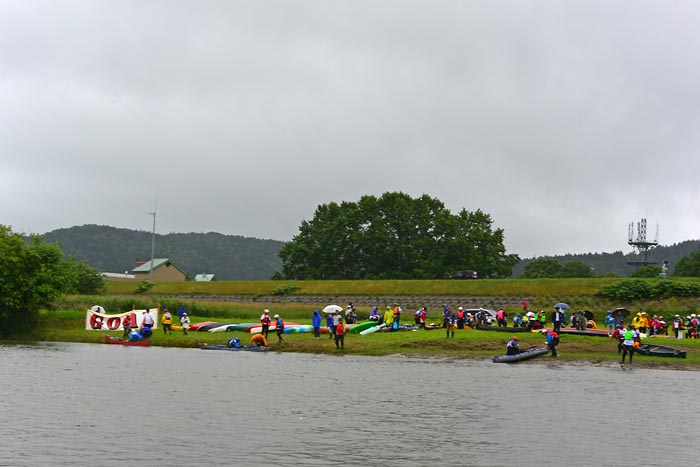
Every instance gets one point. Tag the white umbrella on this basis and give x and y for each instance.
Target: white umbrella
(332, 309)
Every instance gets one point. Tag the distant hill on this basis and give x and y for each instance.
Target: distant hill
(228, 257)
(617, 262)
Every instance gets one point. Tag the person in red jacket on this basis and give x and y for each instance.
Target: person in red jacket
(340, 335)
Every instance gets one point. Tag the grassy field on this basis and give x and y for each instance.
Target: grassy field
(504, 287)
(69, 326)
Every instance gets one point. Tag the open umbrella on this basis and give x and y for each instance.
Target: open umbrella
(620, 314)
(562, 305)
(332, 309)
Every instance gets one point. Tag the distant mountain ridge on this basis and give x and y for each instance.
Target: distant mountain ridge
(233, 257)
(617, 262)
(228, 257)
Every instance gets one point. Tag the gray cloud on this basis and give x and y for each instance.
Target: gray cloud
(563, 120)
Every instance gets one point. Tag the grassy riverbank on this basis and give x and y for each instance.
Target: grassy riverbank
(69, 326)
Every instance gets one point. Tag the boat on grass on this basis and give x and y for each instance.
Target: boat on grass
(524, 355)
(120, 341)
(659, 351)
(486, 327)
(205, 346)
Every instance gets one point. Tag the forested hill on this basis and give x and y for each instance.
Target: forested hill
(617, 262)
(228, 257)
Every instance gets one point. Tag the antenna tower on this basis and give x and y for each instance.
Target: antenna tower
(640, 242)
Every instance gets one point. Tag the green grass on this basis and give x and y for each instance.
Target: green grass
(501, 287)
(68, 326)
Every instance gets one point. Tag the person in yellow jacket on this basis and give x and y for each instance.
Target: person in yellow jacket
(643, 323)
(388, 316)
(636, 321)
(167, 322)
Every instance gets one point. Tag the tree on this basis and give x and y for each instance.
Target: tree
(32, 275)
(688, 266)
(541, 268)
(574, 269)
(394, 237)
(648, 270)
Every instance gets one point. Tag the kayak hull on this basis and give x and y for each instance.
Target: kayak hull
(524, 355)
(120, 341)
(205, 346)
(659, 351)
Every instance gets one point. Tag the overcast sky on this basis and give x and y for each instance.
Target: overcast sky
(563, 120)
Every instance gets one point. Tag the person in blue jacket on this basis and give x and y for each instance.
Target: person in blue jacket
(316, 323)
(280, 327)
(235, 343)
(330, 324)
(449, 319)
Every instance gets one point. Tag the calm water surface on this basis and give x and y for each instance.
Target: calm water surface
(105, 405)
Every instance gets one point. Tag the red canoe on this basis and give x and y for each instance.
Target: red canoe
(120, 341)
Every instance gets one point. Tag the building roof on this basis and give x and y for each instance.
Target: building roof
(204, 277)
(157, 263)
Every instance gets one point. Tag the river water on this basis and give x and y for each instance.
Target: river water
(107, 405)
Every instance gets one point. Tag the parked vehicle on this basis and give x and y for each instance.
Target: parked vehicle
(469, 274)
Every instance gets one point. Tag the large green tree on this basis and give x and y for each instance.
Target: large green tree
(688, 266)
(33, 274)
(395, 237)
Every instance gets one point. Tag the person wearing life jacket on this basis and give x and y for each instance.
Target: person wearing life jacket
(512, 347)
(552, 342)
(619, 335)
(235, 343)
(265, 321)
(628, 344)
(340, 335)
(147, 320)
(694, 323)
(135, 335)
(185, 323)
(279, 325)
(397, 316)
(167, 322)
(677, 326)
(330, 326)
(643, 323)
(460, 318)
(126, 324)
(423, 317)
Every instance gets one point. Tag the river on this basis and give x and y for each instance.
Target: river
(106, 405)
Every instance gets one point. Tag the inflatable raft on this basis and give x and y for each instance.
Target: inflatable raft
(524, 355)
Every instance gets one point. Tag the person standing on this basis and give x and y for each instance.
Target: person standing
(185, 323)
(397, 317)
(677, 326)
(423, 317)
(181, 311)
(329, 325)
(126, 324)
(316, 323)
(610, 322)
(557, 318)
(449, 321)
(337, 318)
(147, 323)
(628, 345)
(279, 327)
(167, 322)
(265, 320)
(340, 335)
(552, 342)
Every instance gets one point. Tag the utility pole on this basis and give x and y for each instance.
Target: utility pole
(153, 241)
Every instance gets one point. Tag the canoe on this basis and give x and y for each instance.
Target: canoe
(357, 328)
(205, 346)
(120, 341)
(659, 351)
(241, 326)
(195, 327)
(210, 325)
(376, 328)
(524, 355)
(482, 327)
